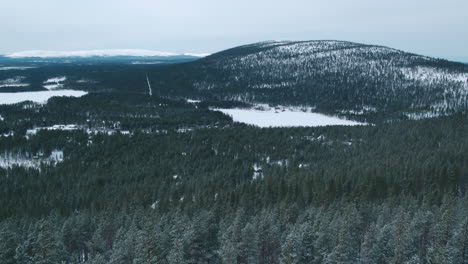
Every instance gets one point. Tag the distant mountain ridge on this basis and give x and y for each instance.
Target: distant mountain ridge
(334, 76)
(98, 53)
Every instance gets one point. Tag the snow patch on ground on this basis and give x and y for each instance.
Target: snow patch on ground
(37, 97)
(54, 83)
(427, 74)
(284, 117)
(14, 82)
(9, 160)
(8, 134)
(361, 111)
(73, 127)
(87, 81)
(14, 85)
(192, 101)
(422, 115)
(153, 205)
(56, 79)
(51, 87)
(455, 85)
(258, 173)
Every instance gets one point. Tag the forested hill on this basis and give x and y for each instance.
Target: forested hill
(334, 76)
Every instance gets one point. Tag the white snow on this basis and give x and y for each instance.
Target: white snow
(423, 115)
(428, 74)
(365, 109)
(8, 159)
(15, 68)
(97, 53)
(8, 134)
(192, 101)
(56, 155)
(56, 79)
(38, 97)
(153, 205)
(54, 83)
(33, 131)
(55, 86)
(73, 127)
(1, 118)
(14, 85)
(197, 54)
(13, 82)
(284, 118)
(257, 174)
(281, 163)
(150, 90)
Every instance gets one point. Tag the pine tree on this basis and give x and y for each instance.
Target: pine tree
(291, 248)
(402, 242)
(457, 246)
(307, 245)
(230, 237)
(97, 245)
(8, 242)
(98, 259)
(47, 246)
(343, 252)
(24, 250)
(180, 239)
(249, 245)
(228, 244)
(146, 248)
(369, 254)
(123, 251)
(177, 253)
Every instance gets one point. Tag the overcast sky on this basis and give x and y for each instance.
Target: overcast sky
(430, 27)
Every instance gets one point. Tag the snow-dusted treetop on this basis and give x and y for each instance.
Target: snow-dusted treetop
(98, 53)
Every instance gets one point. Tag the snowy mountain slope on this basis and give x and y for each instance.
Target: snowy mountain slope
(334, 76)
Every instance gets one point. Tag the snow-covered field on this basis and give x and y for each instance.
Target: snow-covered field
(284, 118)
(38, 97)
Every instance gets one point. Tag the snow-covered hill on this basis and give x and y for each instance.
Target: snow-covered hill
(336, 76)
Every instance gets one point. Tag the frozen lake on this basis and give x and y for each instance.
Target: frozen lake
(38, 97)
(285, 118)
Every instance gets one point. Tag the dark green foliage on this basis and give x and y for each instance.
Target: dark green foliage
(341, 232)
(192, 170)
(118, 111)
(387, 193)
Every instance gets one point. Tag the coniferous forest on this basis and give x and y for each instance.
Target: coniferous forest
(125, 177)
(388, 193)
